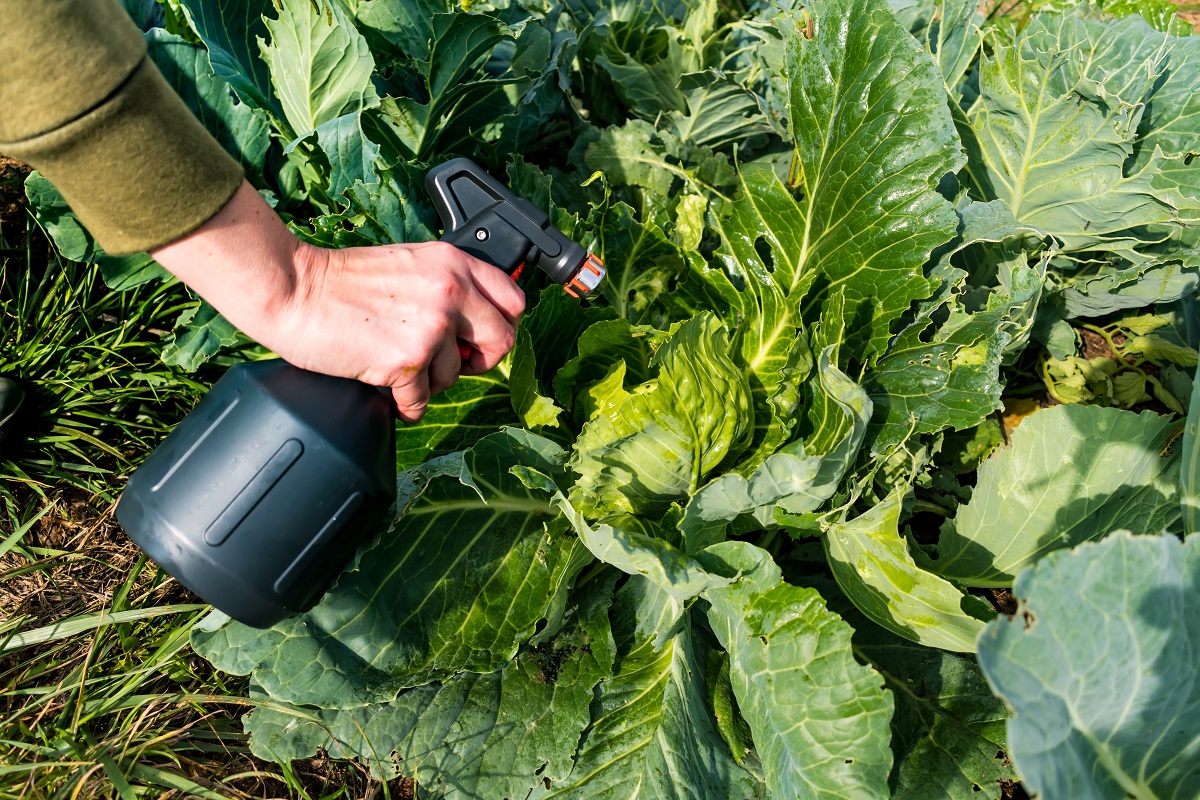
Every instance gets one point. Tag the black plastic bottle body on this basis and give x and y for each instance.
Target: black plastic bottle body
(258, 498)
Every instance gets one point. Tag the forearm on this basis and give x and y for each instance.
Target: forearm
(391, 315)
(244, 261)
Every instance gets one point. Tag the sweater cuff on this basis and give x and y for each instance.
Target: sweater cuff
(139, 170)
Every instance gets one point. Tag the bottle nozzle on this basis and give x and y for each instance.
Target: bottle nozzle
(587, 279)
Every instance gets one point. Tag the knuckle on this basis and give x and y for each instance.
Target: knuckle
(450, 284)
(506, 339)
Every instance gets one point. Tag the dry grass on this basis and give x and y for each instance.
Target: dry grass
(126, 702)
(107, 709)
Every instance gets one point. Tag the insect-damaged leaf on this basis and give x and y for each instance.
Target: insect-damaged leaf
(948, 729)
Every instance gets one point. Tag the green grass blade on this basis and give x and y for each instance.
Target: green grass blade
(85, 622)
(20, 532)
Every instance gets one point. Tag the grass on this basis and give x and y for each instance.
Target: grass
(102, 696)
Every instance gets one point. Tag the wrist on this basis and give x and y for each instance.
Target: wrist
(248, 265)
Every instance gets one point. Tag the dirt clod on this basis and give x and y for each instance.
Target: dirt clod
(12, 187)
(1004, 602)
(1013, 790)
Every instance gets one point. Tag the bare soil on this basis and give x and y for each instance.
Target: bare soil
(12, 195)
(1189, 11)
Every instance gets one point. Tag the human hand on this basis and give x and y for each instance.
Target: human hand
(394, 316)
(390, 316)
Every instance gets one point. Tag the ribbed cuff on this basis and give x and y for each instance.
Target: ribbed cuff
(139, 169)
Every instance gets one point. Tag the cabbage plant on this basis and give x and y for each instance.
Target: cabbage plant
(745, 526)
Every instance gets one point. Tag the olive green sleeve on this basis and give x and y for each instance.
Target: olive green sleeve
(81, 101)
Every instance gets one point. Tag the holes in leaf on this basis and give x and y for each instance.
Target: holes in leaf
(764, 253)
(762, 639)
(1188, 159)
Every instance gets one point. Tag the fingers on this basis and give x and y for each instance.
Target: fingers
(489, 333)
(412, 395)
(445, 366)
(483, 306)
(499, 289)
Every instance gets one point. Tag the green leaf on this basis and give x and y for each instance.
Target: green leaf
(948, 729)
(351, 154)
(963, 451)
(873, 137)
(626, 156)
(320, 65)
(651, 734)
(230, 30)
(453, 83)
(950, 31)
(1105, 289)
(1099, 669)
(819, 718)
(642, 264)
(200, 333)
(408, 25)
(645, 64)
(556, 325)
(1161, 351)
(871, 563)
(1056, 119)
(626, 546)
(474, 407)
(491, 735)
(1189, 472)
(535, 410)
(388, 211)
(720, 111)
(240, 129)
(659, 443)
(601, 346)
(474, 563)
(802, 475)
(1161, 14)
(1072, 473)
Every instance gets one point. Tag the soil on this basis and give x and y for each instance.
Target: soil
(1189, 12)
(1092, 345)
(1003, 601)
(99, 558)
(12, 202)
(1013, 790)
(12, 194)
